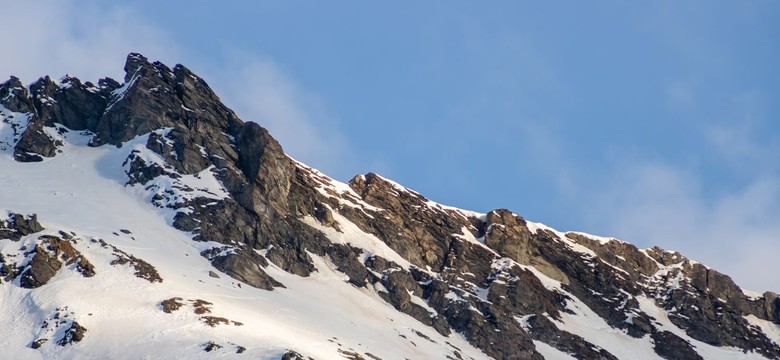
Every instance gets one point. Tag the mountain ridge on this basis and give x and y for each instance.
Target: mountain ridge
(507, 287)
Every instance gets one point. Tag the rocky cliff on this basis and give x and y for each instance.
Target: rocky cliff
(511, 288)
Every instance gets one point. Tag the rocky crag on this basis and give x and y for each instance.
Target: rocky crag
(504, 284)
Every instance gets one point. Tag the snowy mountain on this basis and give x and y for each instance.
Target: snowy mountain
(145, 220)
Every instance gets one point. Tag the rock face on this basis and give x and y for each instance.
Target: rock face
(16, 225)
(49, 255)
(73, 334)
(498, 280)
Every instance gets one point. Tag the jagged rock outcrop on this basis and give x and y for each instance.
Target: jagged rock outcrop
(703, 302)
(75, 105)
(14, 96)
(406, 224)
(545, 330)
(246, 267)
(671, 346)
(73, 334)
(17, 225)
(48, 256)
(29, 140)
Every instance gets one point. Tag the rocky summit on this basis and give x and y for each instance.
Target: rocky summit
(144, 219)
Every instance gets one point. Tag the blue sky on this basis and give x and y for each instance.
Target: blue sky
(654, 121)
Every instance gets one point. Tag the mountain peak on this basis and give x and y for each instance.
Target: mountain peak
(133, 64)
(152, 198)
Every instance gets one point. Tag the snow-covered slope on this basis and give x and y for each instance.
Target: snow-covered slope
(145, 221)
(81, 192)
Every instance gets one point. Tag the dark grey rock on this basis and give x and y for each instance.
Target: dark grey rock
(75, 105)
(345, 258)
(545, 330)
(507, 234)
(620, 254)
(139, 172)
(211, 346)
(706, 318)
(520, 292)
(35, 144)
(399, 285)
(49, 255)
(42, 268)
(672, 347)
(247, 268)
(38, 343)
(75, 333)
(380, 264)
(17, 225)
(15, 97)
(422, 237)
(267, 169)
(292, 355)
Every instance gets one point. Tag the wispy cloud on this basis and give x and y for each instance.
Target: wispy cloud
(258, 90)
(735, 231)
(651, 200)
(75, 37)
(90, 40)
(679, 92)
(746, 143)
(717, 198)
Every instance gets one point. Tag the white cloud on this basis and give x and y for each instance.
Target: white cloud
(75, 37)
(735, 232)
